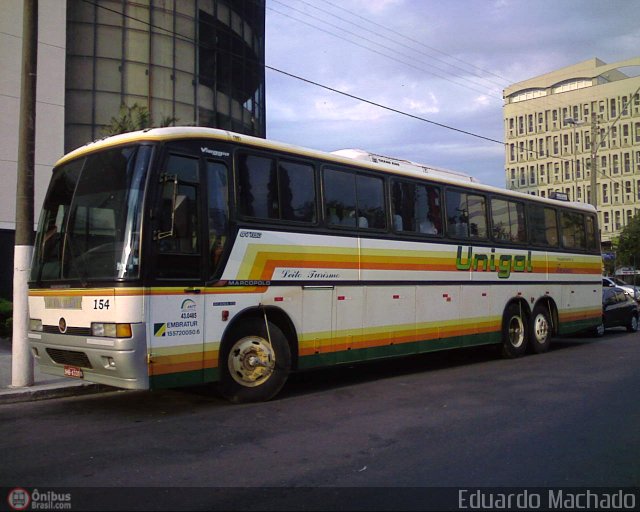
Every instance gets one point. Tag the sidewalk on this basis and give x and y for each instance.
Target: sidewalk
(44, 386)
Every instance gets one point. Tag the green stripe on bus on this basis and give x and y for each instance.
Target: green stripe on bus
(401, 349)
(178, 379)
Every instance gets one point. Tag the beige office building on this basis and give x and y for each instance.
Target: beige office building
(549, 131)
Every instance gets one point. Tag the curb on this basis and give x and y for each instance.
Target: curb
(48, 391)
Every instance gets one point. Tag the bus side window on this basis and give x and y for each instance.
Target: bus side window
(508, 221)
(592, 241)
(370, 196)
(457, 214)
(543, 226)
(340, 198)
(258, 187)
(276, 189)
(297, 191)
(416, 208)
(477, 206)
(466, 215)
(573, 232)
(218, 212)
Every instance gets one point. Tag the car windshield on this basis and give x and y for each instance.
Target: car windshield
(89, 227)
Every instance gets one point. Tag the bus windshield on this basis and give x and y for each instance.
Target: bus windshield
(90, 223)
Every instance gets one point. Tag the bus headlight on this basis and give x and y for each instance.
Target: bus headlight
(105, 330)
(35, 324)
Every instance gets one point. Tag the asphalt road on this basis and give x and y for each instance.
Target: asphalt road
(453, 419)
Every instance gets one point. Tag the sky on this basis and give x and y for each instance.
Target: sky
(446, 61)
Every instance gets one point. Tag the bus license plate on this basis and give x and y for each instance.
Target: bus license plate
(72, 371)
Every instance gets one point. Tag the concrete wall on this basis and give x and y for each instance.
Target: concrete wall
(49, 107)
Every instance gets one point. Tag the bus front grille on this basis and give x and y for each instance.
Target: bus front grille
(71, 331)
(70, 357)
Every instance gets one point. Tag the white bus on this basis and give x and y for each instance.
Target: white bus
(179, 256)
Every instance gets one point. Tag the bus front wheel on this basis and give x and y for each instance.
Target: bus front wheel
(514, 331)
(255, 361)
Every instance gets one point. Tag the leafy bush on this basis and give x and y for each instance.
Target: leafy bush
(6, 318)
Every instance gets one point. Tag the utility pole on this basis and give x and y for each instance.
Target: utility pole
(594, 160)
(22, 363)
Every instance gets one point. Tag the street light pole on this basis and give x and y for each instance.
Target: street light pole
(22, 363)
(574, 123)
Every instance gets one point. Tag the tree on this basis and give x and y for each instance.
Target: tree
(628, 252)
(132, 118)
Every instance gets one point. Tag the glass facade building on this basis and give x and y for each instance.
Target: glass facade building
(197, 62)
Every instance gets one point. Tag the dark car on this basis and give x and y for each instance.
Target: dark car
(618, 310)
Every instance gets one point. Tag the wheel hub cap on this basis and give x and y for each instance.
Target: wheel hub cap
(251, 361)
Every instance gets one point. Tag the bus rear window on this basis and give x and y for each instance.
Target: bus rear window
(573, 233)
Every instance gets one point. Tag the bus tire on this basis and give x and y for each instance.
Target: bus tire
(541, 330)
(514, 331)
(598, 330)
(254, 362)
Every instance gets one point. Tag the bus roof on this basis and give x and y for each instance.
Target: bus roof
(407, 165)
(363, 160)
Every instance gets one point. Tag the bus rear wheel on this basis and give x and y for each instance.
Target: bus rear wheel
(514, 331)
(541, 330)
(255, 361)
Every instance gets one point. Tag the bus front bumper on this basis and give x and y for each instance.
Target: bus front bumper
(115, 362)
